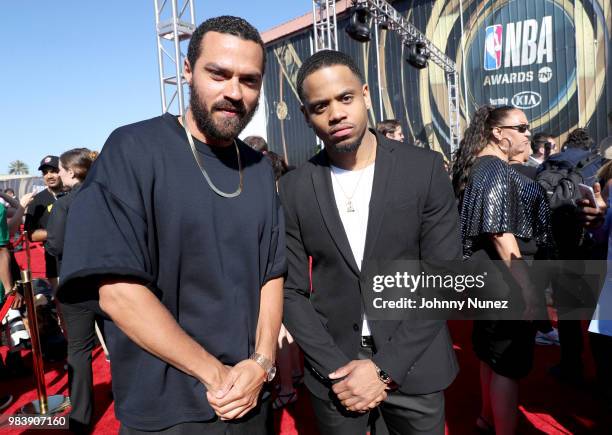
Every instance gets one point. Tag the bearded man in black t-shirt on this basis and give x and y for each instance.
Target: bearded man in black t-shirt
(40, 209)
(192, 282)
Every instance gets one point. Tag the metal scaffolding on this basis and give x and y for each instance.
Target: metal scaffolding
(324, 23)
(325, 32)
(174, 24)
(383, 12)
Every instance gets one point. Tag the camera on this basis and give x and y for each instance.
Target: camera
(16, 329)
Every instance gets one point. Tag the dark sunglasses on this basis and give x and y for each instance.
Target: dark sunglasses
(548, 145)
(521, 128)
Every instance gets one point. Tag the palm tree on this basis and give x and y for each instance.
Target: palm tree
(18, 168)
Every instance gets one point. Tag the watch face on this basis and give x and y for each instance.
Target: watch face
(271, 373)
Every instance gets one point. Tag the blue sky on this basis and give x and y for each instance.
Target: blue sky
(73, 71)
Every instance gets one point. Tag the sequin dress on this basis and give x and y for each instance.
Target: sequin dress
(498, 199)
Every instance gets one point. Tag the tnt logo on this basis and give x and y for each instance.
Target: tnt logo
(493, 47)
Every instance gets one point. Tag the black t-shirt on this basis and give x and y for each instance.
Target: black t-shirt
(37, 218)
(56, 226)
(38, 211)
(146, 212)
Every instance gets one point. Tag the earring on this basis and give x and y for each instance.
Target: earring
(505, 150)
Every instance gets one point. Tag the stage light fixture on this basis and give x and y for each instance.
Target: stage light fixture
(384, 24)
(417, 55)
(358, 28)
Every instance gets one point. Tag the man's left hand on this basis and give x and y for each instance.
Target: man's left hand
(361, 389)
(240, 391)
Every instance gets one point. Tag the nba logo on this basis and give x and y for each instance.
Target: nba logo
(493, 47)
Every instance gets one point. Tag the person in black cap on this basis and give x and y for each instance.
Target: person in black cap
(40, 209)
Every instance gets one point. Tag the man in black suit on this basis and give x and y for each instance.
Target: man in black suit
(363, 198)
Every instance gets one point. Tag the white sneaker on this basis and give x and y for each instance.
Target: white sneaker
(547, 338)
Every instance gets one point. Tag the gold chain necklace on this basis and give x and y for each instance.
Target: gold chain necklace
(201, 166)
(349, 199)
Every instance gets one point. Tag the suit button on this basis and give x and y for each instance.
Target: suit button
(355, 327)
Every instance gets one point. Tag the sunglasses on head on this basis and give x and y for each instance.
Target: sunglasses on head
(521, 128)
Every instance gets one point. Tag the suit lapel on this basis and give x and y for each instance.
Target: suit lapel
(378, 198)
(321, 180)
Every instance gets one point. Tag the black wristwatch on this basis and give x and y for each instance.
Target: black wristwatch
(383, 376)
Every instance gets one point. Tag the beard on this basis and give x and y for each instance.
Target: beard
(351, 146)
(228, 128)
(346, 148)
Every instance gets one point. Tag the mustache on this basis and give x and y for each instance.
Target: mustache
(237, 107)
(339, 127)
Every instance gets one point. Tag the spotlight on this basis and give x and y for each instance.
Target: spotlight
(384, 24)
(358, 29)
(417, 55)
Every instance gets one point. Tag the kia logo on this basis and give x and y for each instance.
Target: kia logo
(526, 100)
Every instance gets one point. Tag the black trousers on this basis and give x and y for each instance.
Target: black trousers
(257, 422)
(400, 414)
(81, 334)
(601, 345)
(570, 339)
(574, 288)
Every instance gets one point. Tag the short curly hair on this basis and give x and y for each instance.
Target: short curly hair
(579, 138)
(322, 59)
(228, 25)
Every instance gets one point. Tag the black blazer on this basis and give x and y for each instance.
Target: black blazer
(412, 216)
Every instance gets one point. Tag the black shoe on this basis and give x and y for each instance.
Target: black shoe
(15, 365)
(5, 401)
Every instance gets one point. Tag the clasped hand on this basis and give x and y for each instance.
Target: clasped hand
(361, 390)
(238, 390)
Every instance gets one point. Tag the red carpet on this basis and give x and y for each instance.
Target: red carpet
(547, 407)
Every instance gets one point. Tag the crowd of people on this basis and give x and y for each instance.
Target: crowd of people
(255, 276)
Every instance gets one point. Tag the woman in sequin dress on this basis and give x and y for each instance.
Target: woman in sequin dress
(502, 214)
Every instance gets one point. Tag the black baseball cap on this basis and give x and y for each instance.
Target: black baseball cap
(51, 161)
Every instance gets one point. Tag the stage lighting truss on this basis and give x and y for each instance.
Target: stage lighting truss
(383, 12)
(174, 25)
(393, 21)
(325, 32)
(325, 27)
